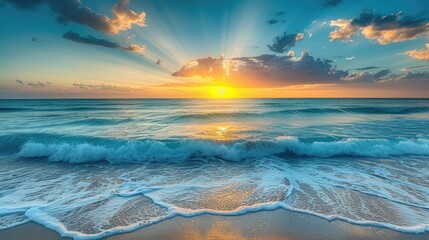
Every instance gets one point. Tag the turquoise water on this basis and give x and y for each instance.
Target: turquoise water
(93, 168)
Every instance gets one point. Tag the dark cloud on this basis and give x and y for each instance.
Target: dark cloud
(367, 76)
(366, 68)
(281, 71)
(413, 68)
(26, 4)
(331, 3)
(73, 11)
(33, 84)
(36, 39)
(36, 84)
(410, 76)
(264, 71)
(272, 21)
(385, 29)
(414, 80)
(76, 37)
(279, 13)
(285, 42)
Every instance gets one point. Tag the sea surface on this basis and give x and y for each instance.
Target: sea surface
(93, 168)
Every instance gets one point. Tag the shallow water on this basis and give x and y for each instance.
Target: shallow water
(92, 168)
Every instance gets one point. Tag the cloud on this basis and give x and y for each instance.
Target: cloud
(422, 54)
(26, 4)
(384, 29)
(209, 67)
(33, 84)
(135, 48)
(367, 76)
(104, 88)
(283, 43)
(271, 71)
(350, 58)
(409, 77)
(275, 15)
(272, 21)
(36, 39)
(366, 68)
(331, 3)
(263, 70)
(73, 11)
(76, 37)
(37, 84)
(413, 68)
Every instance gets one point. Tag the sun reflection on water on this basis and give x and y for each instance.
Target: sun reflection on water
(217, 131)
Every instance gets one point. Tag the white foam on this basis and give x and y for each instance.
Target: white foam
(157, 151)
(100, 200)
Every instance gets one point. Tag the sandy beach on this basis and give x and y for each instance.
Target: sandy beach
(278, 224)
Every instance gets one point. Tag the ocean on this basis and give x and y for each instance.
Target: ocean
(93, 168)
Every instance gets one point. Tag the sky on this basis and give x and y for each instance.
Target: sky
(214, 48)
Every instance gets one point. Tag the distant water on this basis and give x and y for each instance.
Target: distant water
(93, 168)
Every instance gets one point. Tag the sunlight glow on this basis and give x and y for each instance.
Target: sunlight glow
(222, 92)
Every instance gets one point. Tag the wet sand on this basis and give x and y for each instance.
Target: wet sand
(278, 224)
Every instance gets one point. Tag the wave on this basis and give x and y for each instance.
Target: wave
(343, 110)
(387, 110)
(178, 151)
(217, 115)
(100, 121)
(359, 110)
(11, 109)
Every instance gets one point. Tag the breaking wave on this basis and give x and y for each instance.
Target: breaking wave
(178, 151)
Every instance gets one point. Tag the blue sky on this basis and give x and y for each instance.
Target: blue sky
(146, 54)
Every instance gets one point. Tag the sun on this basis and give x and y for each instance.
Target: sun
(222, 92)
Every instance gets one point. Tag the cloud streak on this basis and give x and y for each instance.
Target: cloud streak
(76, 37)
(332, 3)
(384, 29)
(33, 84)
(272, 21)
(367, 76)
(406, 69)
(366, 68)
(104, 88)
(73, 11)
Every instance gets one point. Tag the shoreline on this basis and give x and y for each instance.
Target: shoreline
(276, 224)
